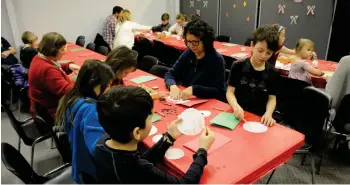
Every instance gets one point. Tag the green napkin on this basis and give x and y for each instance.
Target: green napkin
(76, 49)
(155, 118)
(143, 79)
(328, 73)
(225, 119)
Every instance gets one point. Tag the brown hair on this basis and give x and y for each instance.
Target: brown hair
(121, 58)
(268, 34)
(28, 37)
(181, 17)
(124, 15)
(165, 17)
(51, 43)
(302, 42)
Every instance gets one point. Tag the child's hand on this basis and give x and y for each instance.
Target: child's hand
(268, 120)
(173, 130)
(238, 112)
(206, 139)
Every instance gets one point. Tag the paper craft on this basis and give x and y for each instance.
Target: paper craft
(156, 138)
(155, 118)
(294, 19)
(225, 119)
(239, 55)
(171, 100)
(76, 49)
(205, 4)
(205, 113)
(311, 10)
(143, 79)
(87, 54)
(255, 127)
(328, 73)
(192, 102)
(229, 44)
(153, 130)
(192, 122)
(174, 153)
(281, 8)
(220, 141)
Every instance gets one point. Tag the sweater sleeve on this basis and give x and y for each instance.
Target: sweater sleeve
(56, 83)
(192, 176)
(65, 67)
(157, 151)
(216, 86)
(172, 29)
(91, 129)
(136, 26)
(157, 28)
(176, 72)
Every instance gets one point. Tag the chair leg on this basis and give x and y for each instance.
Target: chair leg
(19, 144)
(320, 163)
(32, 156)
(268, 180)
(303, 159)
(312, 168)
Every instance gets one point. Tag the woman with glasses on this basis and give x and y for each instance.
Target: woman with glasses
(201, 69)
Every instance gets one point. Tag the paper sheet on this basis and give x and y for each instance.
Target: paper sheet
(156, 138)
(174, 153)
(239, 55)
(220, 141)
(76, 49)
(192, 122)
(229, 44)
(143, 79)
(205, 113)
(179, 101)
(153, 130)
(225, 119)
(155, 118)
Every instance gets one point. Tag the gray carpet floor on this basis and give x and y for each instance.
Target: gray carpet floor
(45, 159)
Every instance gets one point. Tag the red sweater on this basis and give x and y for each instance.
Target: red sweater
(47, 83)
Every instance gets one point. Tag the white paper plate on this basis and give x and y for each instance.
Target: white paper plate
(153, 130)
(192, 122)
(205, 113)
(174, 153)
(177, 101)
(156, 138)
(255, 127)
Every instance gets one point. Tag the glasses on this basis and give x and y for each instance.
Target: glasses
(192, 42)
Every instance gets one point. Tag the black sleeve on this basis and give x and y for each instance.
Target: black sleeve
(176, 73)
(192, 176)
(157, 151)
(273, 82)
(235, 74)
(157, 28)
(5, 43)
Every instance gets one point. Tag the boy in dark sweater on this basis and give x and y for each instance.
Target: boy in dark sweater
(200, 68)
(165, 24)
(125, 113)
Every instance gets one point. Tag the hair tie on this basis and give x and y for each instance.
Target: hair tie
(280, 28)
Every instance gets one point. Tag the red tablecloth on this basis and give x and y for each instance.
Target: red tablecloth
(245, 159)
(173, 41)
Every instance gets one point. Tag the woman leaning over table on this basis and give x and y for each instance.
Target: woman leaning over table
(48, 79)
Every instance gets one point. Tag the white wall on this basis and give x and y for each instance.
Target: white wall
(6, 30)
(72, 18)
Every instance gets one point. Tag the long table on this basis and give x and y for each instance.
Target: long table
(230, 51)
(245, 159)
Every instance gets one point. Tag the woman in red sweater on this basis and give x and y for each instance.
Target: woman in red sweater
(48, 80)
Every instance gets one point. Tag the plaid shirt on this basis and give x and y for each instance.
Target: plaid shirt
(108, 32)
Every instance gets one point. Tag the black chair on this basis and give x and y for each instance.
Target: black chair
(28, 130)
(135, 53)
(227, 74)
(144, 47)
(147, 63)
(159, 70)
(99, 41)
(14, 161)
(102, 50)
(60, 137)
(160, 51)
(91, 46)
(223, 38)
(80, 42)
(24, 104)
(81, 37)
(86, 178)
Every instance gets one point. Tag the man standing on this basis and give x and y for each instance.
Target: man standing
(108, 31)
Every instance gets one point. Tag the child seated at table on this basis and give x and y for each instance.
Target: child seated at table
(300, 69)
(28, 51)
(164, 26)
(126, 113)
(122, 61)
(201, 69)
(77, 115)
(179, 26)
(253, 84)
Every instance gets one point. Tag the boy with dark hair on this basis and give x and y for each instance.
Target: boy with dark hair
(126, 113)
(108, 32)
(252, 82)
(165, 24)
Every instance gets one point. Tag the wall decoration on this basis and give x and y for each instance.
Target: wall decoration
(205, 4)
(311, 10)
(298, 1)
(245, 3)
(234, 5)
(191, 4)
(294, 19)
(248, 19)
(198, 12)
(281, 8)
(226, 14)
